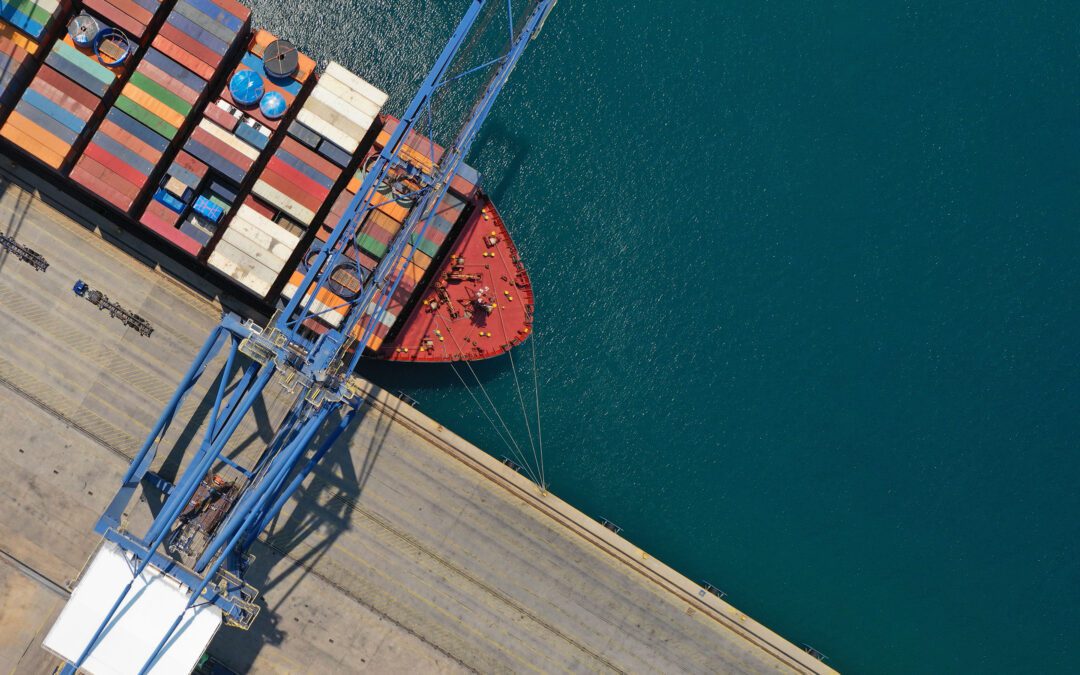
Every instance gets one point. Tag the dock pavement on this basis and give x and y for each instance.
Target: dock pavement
(409, 550)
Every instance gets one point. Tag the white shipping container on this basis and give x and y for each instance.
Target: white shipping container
(329, 316)
(250, 231)
(263, 255)
(247, 273)
(260, 238)
(335, 110)
(283, 202)
(227, 138)
(354, 82)
(267, 226)
(229, 108)
(327, 129)
(351, 96)
(387, 318)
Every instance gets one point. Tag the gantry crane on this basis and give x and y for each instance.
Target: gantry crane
(212, 522)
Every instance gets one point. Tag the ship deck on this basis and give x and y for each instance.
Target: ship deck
(479, 303)
(410, 550)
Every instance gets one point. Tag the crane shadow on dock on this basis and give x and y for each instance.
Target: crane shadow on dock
(194, 426)
(12, 223)
(294, 544)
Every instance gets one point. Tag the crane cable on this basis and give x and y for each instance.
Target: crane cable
(515, 449)
(536, 394)
(521, 398)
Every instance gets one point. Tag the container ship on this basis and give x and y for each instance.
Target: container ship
(230, 145)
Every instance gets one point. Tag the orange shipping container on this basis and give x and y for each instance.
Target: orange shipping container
(35, 140)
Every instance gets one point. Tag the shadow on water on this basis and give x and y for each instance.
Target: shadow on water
(414, 378)
(496, 140)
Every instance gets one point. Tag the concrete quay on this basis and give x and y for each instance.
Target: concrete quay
(410, 550)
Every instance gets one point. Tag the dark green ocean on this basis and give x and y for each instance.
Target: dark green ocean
(807, 282)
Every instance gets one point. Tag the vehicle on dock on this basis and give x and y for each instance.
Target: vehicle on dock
(226, 143)
(24, 253)
(264, 182)
(115, 310)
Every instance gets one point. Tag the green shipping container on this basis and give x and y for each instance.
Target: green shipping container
(371, 246)
(145, 117)
(160, 93)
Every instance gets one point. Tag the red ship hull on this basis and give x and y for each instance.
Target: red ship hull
(477, 305)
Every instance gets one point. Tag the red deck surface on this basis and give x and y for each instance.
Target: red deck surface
(450, 323)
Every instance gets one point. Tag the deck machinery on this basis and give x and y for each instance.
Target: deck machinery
(151, 602)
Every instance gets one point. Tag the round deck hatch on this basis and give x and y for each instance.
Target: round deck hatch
(83, 29)
(246, 87)
(281, 59)
(273, 105)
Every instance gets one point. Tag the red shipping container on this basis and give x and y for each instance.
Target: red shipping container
(289, 188)
(229, 154)
(163, 214)
(311, 158)
(98, 187)
(220, 117)
(130, 142)
(167, 231)
(191, 164)
(67, 87)
(189, 44)
(378, 231)
(115, 164)
(116, 17)
(106, 176)
(133, 10)
(296, 185)
(259, 206)
(169, 82)
(183, 57)
(64, 102)
(234, 8)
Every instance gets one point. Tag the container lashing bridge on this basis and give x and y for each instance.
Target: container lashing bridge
(197, 547)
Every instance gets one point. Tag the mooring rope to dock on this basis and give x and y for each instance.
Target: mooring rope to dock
(515, 449)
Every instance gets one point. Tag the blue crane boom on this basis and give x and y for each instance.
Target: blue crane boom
(317, 369)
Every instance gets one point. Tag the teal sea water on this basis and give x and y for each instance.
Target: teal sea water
(808, 301)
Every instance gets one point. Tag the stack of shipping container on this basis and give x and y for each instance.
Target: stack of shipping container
(163, 90)
(25, 25)
(358, 267)
(298, 178)
(417, 156)
(36, 19)
(201, 187)
(196, 162)
(374, 236)
(130, 16)
(17, 52)
(56, 107)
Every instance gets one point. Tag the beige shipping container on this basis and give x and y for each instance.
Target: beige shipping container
(354, 82)
(283, 202)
